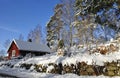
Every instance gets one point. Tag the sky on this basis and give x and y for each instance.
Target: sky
(20, 16)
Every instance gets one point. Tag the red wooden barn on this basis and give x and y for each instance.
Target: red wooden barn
(21, 48)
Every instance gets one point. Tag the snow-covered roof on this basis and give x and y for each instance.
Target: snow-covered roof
(31, 46)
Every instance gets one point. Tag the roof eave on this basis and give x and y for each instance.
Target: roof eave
(34, 51)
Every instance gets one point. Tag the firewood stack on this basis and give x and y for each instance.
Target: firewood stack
(106, 49)
(112, 69)
(113, 48)
(102, 49)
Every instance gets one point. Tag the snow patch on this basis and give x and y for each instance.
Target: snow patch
(49, 68)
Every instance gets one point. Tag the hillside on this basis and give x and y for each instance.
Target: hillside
(96, 61)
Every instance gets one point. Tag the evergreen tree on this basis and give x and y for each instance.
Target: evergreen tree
(55, 25)
(60, 26)
(103, 11)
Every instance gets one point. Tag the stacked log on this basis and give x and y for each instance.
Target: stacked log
(118, 67)
(69, 68)
(105, 49)
(86, 69)
(38, 67)
(58, 68)
(80, 68)
(113, 48)
(102, 49)
(111, 69)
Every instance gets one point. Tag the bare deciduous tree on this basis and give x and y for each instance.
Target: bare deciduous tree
(21, 37)
(7, 43)
(68, 17)
(36, 34)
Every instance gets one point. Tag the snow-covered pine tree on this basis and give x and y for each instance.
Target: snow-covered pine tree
(55, 26)
(101, 11)
(60, 26)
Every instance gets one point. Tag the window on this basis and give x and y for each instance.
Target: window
(13, 53)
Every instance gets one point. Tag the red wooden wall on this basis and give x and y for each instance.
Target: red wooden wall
(13, 46)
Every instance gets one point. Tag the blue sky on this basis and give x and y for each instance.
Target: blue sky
(20, 16)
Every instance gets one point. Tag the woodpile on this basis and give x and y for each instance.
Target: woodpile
(118, 65)
(85, 69)
(56, 69)
(69, 68)
(38, 67)
(111, 69)
(102, 49)
(113, 48)
(80, 68)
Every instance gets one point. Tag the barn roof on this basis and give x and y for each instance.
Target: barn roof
(31, 46)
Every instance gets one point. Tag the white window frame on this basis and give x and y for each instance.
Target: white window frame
(13, 53)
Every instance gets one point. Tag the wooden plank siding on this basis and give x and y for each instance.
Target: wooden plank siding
(13, 46)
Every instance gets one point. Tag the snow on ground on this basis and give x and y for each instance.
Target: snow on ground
(46, 59)
(21, 73)
(89, 59)
(50, 68)
(96, 58)
(76, 76)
